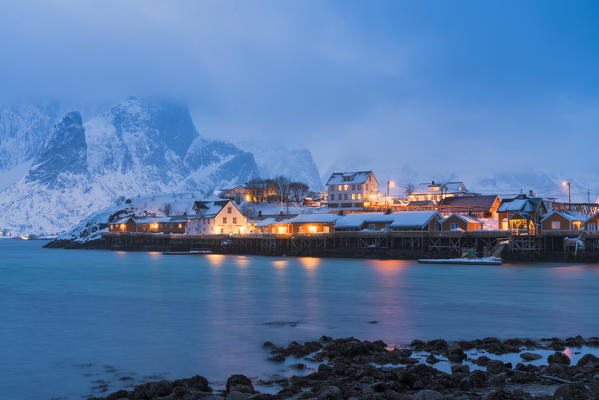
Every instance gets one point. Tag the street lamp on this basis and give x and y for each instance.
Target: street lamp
(566, 183)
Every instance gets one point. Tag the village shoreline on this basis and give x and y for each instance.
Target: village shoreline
(375, 254)
(348, 368)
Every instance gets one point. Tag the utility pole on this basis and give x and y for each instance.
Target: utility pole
(566, 183)
(589, 196)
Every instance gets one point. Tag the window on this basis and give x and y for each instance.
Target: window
(340, 188)
(345, 187)
(224, 220)
(504, 225)
(555, 225)
(453, 226)
(345, 196)
(576, 224)
(301, 229)
(592, 227)
(234, 220)
(180, 226)
(353, 187)
(312, 228)
(359, 196)
(359, 187)
(332, 197)
(229, 210)
(353, 196)
(371, 227)
(325, 229)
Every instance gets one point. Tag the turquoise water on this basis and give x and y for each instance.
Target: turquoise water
(75, 322)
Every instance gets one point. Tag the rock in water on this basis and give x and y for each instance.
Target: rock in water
(558, 358)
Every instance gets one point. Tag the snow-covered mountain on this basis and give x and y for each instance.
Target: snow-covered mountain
(136, 148)
(296, 164)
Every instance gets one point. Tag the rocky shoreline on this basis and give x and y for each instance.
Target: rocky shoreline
(349, 368)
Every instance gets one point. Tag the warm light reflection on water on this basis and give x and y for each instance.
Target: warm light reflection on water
(215, 260)
(310, 263)
(280, 263)
(241, 261)
(155, 254)
(388, 267)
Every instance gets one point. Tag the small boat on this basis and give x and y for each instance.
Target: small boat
(463, 261)
(186, 253)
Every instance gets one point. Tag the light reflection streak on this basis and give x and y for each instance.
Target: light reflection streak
(215, 260)
(155, 254)
(310, 263)
(388, 267)
(280, 263)
(242, 261)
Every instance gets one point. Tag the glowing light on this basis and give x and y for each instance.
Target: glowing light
(310, 262)
(122, 227)
(280, 263)
(248, 197)
(215, 260)
(282, 229)
(312, 228)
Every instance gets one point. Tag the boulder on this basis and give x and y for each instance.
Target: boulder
(588, 361)
(571, 391)
(558, 358)
(495, 366)
(239, 383)
(530, 356)
(427, 394)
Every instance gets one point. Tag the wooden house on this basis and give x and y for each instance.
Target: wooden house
(237, 194)
(149, 224)
(562, 222)
(277, 225)
(591, 224)
(437, 191)
(416, 221)
(521, 215)
(123, 225)
(479, 206)
(216, 217)
(457, 222)
(314, 223)
(351, 189)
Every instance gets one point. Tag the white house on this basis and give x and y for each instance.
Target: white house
(216, 217)
(437, 191)
(351, 189)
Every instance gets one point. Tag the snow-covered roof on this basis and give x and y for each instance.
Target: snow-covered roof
(345, 178)
(356, 220)
(316, 219)
(568, 215)
(485, 201)
(406, 219)
(444, 187)
(276, 221)
(520, 203)
(209, 209)
(121, 221)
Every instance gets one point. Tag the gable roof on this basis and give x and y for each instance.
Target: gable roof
(276, 221)
(408, 219)
(356, 220)
(209, 209)
(446, 187)
(482, 201)
(567, 215)
(466, 218)
(521, 203)
(316, 219)
(351, 178)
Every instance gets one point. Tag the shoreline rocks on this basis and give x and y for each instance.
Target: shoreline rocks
(349, 368)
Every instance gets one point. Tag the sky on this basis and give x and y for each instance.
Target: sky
(498, 94)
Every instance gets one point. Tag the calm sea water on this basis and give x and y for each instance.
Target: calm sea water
(75, 320)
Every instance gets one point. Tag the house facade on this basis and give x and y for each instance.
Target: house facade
(457, 222)
(562, 221)
(314, 224)
(351, 189)
(480, 206)
(175, 224)
(216, 217)
(521, 215)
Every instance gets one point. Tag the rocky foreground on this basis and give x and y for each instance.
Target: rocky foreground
(352, 369)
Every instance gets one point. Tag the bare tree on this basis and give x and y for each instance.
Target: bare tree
(283, 188)
(299, 190)
(167, 208)
(409, 189)
(249, 210)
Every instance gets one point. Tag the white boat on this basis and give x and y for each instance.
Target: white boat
(464, 261)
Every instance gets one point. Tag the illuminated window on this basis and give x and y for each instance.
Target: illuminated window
(345, 187)
(282, 229)
(353, 196)
(326, 229)
(312, 228)
(180, 226)
(555, 225)
(576, 224)
(359, 196)
(340, 188)
(301, 229)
